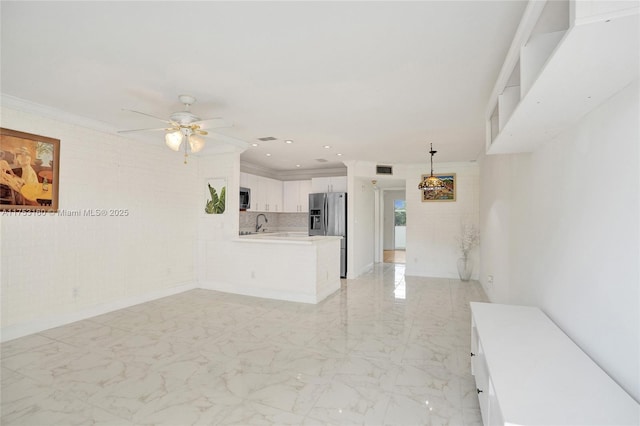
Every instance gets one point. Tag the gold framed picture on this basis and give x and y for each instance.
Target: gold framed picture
(29, 171)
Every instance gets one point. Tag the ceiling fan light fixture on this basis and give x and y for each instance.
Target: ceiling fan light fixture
(183, 126)
(174, 140)
(196, 143)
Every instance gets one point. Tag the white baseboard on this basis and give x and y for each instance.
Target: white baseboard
(328, 290)
(45, 323)
(259, 292)
(365, 269)
(23, 329)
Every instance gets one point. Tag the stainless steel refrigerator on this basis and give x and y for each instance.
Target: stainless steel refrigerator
(328, 216)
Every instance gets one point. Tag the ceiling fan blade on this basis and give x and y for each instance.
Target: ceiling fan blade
(209, 119)
(223, 125)
(149, 115)
(201, 132)
(143, 130)
(213, 123)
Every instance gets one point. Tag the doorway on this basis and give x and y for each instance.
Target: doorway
(395, 227)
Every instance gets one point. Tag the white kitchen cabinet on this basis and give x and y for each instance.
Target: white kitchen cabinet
(296, 196)
(304, 189)
(244, 180)
(566, 58)
(266, 193)
(528, 372)
(274, 195)
(329, 184)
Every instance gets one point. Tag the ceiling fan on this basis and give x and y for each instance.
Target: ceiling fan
(182, 125)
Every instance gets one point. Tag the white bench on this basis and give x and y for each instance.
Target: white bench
(528, 372)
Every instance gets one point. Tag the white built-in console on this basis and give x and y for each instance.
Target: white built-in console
(528, 372)
(567, 57)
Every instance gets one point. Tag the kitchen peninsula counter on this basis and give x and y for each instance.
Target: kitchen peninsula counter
(289, 266)
(286, 238)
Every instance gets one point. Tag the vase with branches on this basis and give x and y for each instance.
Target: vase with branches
(468, 239)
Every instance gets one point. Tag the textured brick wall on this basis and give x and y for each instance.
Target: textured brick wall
(58, 264)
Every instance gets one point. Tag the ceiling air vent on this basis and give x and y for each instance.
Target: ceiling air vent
(267, 138)
(321, 160)
(384, 170)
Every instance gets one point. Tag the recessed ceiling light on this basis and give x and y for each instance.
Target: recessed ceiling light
(297, 165)
(339, 155)
(327, 147)
(268, 155)
(288, 141)
(255, 144)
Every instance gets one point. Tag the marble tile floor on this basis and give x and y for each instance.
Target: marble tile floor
(383, 350)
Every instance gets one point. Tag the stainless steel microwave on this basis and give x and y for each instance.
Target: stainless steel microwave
(245, 198)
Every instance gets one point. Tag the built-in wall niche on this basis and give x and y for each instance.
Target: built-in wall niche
(545, 36)
(506, 102)
(567, 57)
(521, 70)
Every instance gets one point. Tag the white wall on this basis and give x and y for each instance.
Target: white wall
(561, 231)
(432, 227)
(215, 232)
(501, 181)
(57, 269)
(361, 236)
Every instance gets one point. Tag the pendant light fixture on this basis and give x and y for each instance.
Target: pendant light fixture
(431, 183)
(174, 139)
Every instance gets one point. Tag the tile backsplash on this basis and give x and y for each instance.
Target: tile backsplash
(291, 222)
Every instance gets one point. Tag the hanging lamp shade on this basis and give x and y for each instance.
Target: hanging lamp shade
(196, 143)
(174, 140)
(431, 182)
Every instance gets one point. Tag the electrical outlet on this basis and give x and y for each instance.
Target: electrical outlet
(253, 274)
(75, 292)
(490, 280)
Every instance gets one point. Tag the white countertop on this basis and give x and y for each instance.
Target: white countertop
(285, 238)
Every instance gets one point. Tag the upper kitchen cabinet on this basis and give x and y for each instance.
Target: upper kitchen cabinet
(266, 193)
(329, 184)
(274, 195)
(296, 196)
(567, 57)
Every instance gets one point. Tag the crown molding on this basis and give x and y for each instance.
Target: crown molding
(229, 144)
(285, 175)
(12, 102)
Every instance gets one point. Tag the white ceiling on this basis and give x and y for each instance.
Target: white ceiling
(375, 81)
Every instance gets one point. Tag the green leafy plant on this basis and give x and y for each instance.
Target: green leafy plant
(217, 203)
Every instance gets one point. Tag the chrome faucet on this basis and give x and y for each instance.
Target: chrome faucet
(265, 221)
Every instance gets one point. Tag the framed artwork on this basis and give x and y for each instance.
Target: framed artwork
(29, 166)
(215, 195)
(446, 194)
